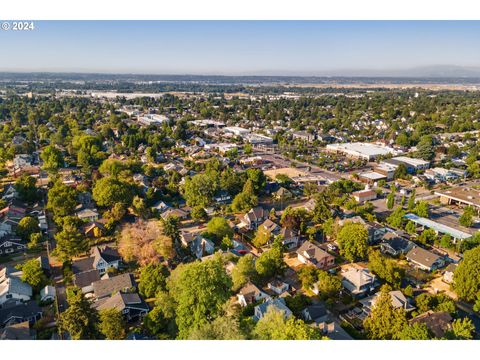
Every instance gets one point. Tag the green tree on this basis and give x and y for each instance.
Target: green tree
(108, 191)
(112, 324)
(26, 188)
(199, 290)
(385, 268)
(218, 228)
(262, 237)
(152, 279)
(198, 213)
(245, 200)
(421, 209)
(80, 319)
(466, 219)
(258, 179)
(62, 199)
(160, 321)
(396, 218)
(353, 241)
(467, 275)
(417, 331)
(274, 326)
(425, 148)
(270, 263)
(462, 329)
(411, 228)
(70, 240)
(385, 322)
(33, 275)
(26, 227)
(411, 201)
(222, 328)
(308, 276)
(52, 158)
(390, 200)
(244, 271)
(199, 190)
(171, 228)
(328, 285)
(112, 167)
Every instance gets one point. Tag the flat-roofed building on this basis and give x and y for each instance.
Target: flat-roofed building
(413, 165)
(371, 177)
(461, 195)
(364, 195)
(360, 150)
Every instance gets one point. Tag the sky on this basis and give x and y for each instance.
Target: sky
(240, 47)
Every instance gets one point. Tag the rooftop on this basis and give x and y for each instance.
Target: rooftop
(444, 229)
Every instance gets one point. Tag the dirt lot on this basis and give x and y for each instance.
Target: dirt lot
(290, 172)
(438, 286)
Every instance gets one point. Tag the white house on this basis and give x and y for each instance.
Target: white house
(12, 287)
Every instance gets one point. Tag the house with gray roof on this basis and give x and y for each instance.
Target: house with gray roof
(279, 304)
(12, 288)
(131, 305)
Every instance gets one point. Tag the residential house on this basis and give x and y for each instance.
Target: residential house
(290, 238)
(131, 305)
(88, 215)
(160, 206)
(334, 331)
(222, 197)
(271, 227)
(105, 257)
(107, 287)
(18, 313)
(19, 331)
(399, 301)
(316, 313)
(12, 288)
(201, 246)
(250, 294)
(358, 281)
(94, 229)
(85, 280)
(282, 194)
(395, 245)
(102, 258)
(311, 254)
(437, 322)
(179, 213)
(278, 287)
(11, 244)
(448, 273)
(424, 259)
(9, 192)
(279, 304)
(255, 217)
(48, 293)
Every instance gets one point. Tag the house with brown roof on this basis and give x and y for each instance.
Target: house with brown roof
(424, 259)
(437, 322)
(250, 294)
(290, 238)
(311, 254)
(255, 217)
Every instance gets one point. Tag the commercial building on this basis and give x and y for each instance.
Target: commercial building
(362, 150)
(460, 195)
(412, 165)
(439, 228)
(152, 119)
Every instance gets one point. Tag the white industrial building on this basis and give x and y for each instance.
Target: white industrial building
(362, 150)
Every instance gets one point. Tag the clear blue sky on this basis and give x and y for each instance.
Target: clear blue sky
(246, 47)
